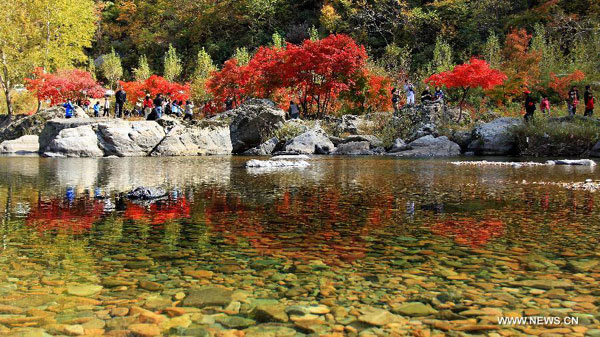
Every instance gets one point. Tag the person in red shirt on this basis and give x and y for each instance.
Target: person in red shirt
(148, 105)
(588, 99)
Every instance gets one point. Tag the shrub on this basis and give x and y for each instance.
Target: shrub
(565, 136)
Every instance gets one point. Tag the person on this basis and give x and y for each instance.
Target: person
(148, 105)
(588, 100)
(572, 100)
(439, 94)
(86, 105)
(97, 109)
(158, 105)
(545, 105)
(120, 98)
(409, 89)
(138, 107)
(175, 109)
(395, 99)
(228, 104)
(294, 110)
(106, 106)
(167, 106)
(189, 110)
(426, 96)
(68, 109)
(529, 106)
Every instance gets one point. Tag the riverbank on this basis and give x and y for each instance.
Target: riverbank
(259, 128)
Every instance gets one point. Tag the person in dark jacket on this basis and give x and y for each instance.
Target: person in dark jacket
(588, 100)
(529, 106)
(426, 96)
(158, 103)
(120, 99)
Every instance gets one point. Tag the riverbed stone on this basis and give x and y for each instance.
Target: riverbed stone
(414, 309)
(144, 330)
(270, 311)
(83, 289)
(208, 296)
(235, 322)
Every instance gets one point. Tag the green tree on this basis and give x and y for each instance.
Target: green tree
(142, 72)
(396, 60)
(492, 50)
(111, 68)
(172, 64)
(204, 68)
(442, 57)
(242, 56)
(42, 33)
(278, 41)
(313, 33)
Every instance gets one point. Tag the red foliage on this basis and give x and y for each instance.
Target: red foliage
(314, 73)
(63, 85)
(522, 64)
(561, 85)
(155, 85)
(474, 74)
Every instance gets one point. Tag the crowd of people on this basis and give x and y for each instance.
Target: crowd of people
(427, 96)
(573, 100)
(154, 108)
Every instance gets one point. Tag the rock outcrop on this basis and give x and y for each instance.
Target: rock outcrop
(353, 148)
(263, 149)
(314, 141)
(252, 121)
(195, 140)
(110, 137)
(495, 138)
(430, 146)
(22, 145)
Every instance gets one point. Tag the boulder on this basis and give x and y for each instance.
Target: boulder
(595, 151)
(310, 142)
(78, 141)
(23, 144)
(372, 140)
(208, 296)
(353, 148)
(495, 137)
(263, 149)
(430, 146)
(129, 139)
(399, 145)
(194, 140)
(253, 120)
(13, 127)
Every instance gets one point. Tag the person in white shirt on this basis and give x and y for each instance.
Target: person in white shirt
(409, 89)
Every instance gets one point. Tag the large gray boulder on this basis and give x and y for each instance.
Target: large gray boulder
(353, 148)
(264, 149)
(195, 140)
(80, 141)
(252, 121)
(129, 139)
(399, 145)
(595, 151)
(314, 141)
(430, 146)
(21, 145)
(13, 127)
(495, 137)
(372, 140)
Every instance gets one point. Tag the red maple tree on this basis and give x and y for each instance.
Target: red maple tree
(561, 84)
(474, 74)
(154, 85)
(313, 74)
(63, 85)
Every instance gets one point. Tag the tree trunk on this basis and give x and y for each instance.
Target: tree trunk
(460, 105)
(9, 106)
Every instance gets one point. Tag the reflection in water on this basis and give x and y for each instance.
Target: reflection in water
(355, 231)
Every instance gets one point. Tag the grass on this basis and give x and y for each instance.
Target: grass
(551, 136)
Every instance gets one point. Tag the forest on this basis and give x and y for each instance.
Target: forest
(541, 45)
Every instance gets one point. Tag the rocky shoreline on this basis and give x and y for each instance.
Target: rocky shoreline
(257, 128)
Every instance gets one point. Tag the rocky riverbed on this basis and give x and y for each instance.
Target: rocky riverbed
(337, 250)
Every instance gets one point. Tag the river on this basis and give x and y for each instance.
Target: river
(366, 244)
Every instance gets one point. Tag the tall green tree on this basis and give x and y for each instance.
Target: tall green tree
(142, 72)
(242, 56)
(111, 68)
(42, 33)
(172, 64)
(442, 57)
(203, 71)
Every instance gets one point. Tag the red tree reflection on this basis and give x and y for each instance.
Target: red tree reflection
(74, 217)
(470, 232)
